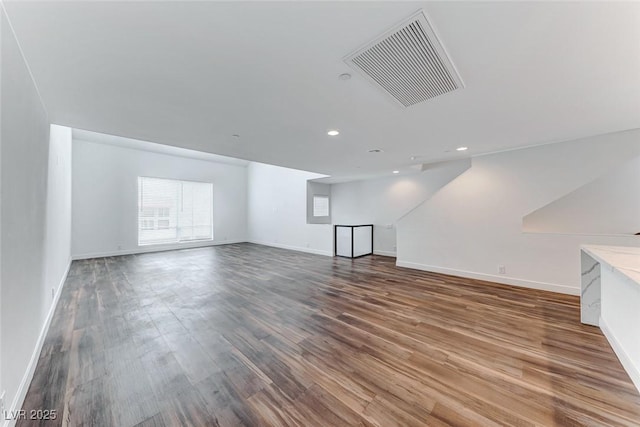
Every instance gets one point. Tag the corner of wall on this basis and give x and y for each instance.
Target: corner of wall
(23, 388)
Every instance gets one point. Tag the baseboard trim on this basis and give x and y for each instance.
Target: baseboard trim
(563, 289)
(150, 249)
(625, 360)
(385, 253)
(292, 248)
(35, 356)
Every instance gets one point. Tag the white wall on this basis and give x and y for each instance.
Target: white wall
(620, 318)
(317, 189)
(2, 60)
(474, 223)
(278, 210)
(608, 205)
(105, 197)
(23, 170)
(57, 249)
(382, 202)
(34, 220)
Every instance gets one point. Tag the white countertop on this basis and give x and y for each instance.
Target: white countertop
(624, 259)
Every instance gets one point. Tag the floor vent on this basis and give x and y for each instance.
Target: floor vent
(408, 62)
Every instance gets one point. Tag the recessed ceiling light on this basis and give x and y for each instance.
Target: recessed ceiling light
(344, 76)
(375, 150)
(235, 135)
(461, 148)
(396, 171)
(333, 132)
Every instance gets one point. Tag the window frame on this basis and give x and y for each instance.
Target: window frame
(313, 205)
(156, 218)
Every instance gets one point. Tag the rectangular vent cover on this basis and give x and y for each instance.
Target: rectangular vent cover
(408, 62)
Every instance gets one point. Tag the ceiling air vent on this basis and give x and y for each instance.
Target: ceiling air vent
(408, 62)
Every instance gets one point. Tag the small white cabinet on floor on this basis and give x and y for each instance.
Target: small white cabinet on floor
(353, 241)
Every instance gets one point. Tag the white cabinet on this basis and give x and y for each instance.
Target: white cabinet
(353, 240)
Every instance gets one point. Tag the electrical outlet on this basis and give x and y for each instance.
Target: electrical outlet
(502, 269)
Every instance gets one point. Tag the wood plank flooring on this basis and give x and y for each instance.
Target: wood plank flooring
(246, 335)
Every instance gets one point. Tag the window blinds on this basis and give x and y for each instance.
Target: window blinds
(171, 211)
(320, 205)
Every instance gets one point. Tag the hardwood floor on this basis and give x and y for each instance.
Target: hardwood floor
(250, 335)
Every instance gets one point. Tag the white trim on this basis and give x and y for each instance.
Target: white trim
(625, 360)
(384, 253)
(293, 248)
(154, 248)
(553, 287)
(35, 356)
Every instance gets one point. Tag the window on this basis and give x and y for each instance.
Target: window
(320, 205)
(146, 224)
(171, 211)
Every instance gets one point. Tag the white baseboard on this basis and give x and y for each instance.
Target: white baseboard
(563, 289)
(384, 253)
(35, 356)
(618, 349)
(154, 248)
(293, 248)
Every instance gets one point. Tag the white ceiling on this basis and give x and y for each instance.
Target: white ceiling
(192, 74)
(135, 144)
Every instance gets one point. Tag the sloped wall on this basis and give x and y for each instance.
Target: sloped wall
(474, 224)
(382, 202)
(609, 205)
